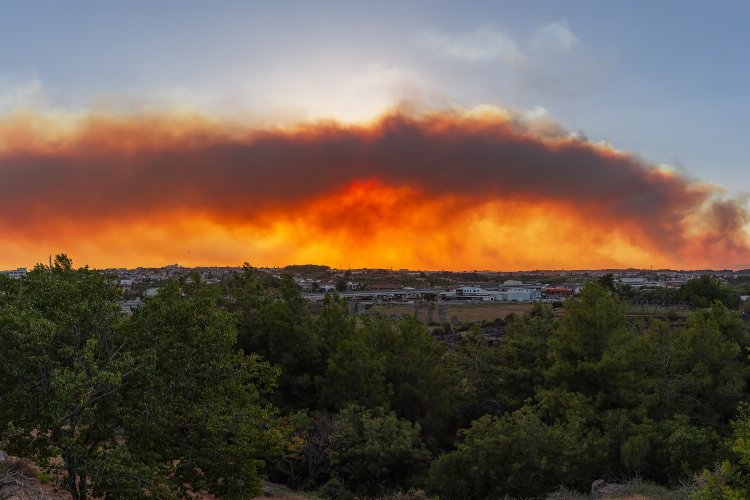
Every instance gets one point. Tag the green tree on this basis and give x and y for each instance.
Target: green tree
(333, 324)
(731, 478)
(699, 371)
(478, 370)
(279, 327)
(305, 461)
(607, 282)
(595, 377)
(523, 357)
(356, 374)
(517, 454)
(681, 449)
(151, 408)
(714, 372)
(375, 451)
(195, 403)
(592, 350)
(701, 292)
(65, 366)
(418, 369)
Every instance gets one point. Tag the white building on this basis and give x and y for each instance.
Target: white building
(470, 293)
(18, 273)
(506, 294)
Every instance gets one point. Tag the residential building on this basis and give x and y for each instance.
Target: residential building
(15, 274)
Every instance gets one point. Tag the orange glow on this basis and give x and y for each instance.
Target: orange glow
(449, 190)
(365, 224)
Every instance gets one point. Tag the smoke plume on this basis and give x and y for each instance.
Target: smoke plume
(453, 189)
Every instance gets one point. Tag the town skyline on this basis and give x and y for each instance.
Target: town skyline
(290, 268)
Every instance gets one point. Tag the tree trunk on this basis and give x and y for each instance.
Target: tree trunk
(82, 487)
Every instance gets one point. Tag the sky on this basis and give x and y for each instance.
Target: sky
(423, 134)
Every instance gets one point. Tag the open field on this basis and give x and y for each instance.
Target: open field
(461, 312)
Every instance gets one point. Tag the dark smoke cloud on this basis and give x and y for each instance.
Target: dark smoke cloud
(112, 169)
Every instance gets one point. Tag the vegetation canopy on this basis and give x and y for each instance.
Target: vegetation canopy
(213, 388)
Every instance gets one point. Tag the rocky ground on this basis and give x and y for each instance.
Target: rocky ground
(20, 479)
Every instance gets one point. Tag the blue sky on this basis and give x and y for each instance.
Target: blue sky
(666, 80)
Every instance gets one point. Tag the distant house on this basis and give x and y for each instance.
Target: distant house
(15, 274)
(126, 284)
(327, 287)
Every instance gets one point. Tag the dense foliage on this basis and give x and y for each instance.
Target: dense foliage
(150, 407)
(212, 388)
